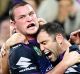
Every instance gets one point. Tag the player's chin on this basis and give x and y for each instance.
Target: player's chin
(32, 32)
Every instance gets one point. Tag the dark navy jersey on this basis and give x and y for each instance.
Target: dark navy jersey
(28, 59)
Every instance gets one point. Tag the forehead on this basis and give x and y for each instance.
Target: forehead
(43, 36)
(22, 9)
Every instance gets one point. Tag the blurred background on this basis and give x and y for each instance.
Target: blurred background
(64, 12)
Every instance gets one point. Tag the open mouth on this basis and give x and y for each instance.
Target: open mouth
(31, 25)
(48, 53)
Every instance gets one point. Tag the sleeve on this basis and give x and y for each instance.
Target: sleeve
(21, 61)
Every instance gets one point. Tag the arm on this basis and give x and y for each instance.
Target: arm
(59, 69)
(4, 64)
(14, 39)
(68, 60)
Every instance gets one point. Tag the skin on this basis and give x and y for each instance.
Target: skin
(56, 44)
(48, 44)
(24, 16)
(75, 37)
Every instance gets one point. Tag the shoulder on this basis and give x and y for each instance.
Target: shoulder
(19, 49)
(16, 47)
(19, 46)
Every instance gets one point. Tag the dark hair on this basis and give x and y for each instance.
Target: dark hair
(11, 15)
(52, 29)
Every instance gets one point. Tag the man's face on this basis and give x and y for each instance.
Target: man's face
(48, 45)
(25, 20)
(65, 7)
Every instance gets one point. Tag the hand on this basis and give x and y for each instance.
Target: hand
(71, 58)
(14, 39)
(41, 21)
(75, 37)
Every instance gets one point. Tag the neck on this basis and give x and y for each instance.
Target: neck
(27, 38)
(64, 46)
(30, 37)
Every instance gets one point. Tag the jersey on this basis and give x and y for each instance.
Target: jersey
(28, 59)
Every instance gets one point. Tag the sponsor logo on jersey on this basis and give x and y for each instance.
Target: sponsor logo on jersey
(24, 64)
(37, 50)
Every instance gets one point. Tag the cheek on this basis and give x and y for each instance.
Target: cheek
(20, 26)
(50, 45)
(21, 21)
(34, 17)
(54, 50)
(54, 46)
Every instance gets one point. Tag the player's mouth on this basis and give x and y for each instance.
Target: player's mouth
(31, 25)
(48, 54)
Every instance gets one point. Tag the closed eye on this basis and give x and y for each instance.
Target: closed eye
(44, 42)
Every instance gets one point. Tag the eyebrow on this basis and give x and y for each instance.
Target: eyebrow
(44, 41)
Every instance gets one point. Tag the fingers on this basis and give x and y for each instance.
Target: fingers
(3, 53)
(3, 50)
(75, 37)
(41, 21)
(72, 58)
(14, 39)
(75, 33)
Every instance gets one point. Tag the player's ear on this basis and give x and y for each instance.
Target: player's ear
(59, 38)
